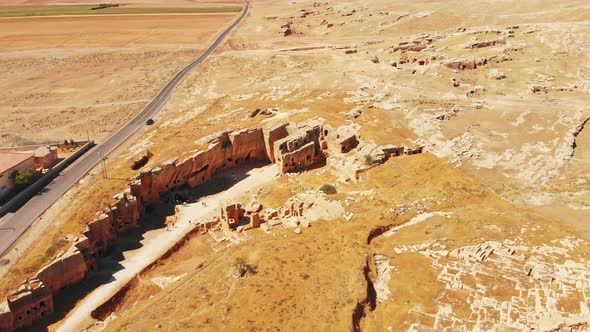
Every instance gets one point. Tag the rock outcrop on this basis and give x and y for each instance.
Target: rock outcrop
(292, 147)
(142, 160)
(469, 64)
(288, 31)
(477, 90)
(32, 301)
(415, 45)
(343, 139)
(487, 43)
(303, 147)
(383, 153)
(66, 269)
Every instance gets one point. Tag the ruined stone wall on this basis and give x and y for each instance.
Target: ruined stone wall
(302, 148)
(343, 139)
(32, 301)
(67, 269)
(226, 150)
(385, 152)
(230, 215)
(272, 135)
(300, 158)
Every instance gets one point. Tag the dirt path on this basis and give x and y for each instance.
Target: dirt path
(157, 242)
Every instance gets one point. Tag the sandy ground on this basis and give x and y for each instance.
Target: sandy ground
(79, 77)
(502, 165)
(54, 74)
(137, 3)
(157, 242)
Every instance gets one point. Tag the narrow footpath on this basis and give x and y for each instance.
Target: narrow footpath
(157, 242)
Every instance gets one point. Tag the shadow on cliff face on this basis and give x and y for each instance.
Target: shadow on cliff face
(153, 217)
(226, 179)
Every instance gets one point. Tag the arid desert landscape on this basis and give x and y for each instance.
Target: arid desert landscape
(332, 165)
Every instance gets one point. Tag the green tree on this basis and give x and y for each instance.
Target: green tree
(23, 179)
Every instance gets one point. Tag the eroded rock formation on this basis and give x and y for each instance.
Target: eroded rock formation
(343, 139)
(487, 43)
(302, 148)
(293, 147)
(32, 301)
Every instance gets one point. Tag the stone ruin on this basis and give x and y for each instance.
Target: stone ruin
(421, 50)
(343, 139)
(487, 43)
(542, 287)
(301, 147)
(291, 147)
(384, 153)
(32, 301)
(236, 217)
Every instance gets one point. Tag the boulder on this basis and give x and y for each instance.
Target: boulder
(497, 75)
(354, 113)
(141, 160)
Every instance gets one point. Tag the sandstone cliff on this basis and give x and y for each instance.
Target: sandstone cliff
(300, 144)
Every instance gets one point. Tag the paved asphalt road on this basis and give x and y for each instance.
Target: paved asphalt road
(12, 226)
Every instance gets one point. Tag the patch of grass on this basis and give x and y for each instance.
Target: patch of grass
(87, 10)
(328, 189)
(241, 268)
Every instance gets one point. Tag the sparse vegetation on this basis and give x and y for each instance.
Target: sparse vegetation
(328, 189)
(241, 267)
(368, 160)
(69, 145)
(23, 179)
(105, 5)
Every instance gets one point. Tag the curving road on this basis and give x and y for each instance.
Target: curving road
(12, 226)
